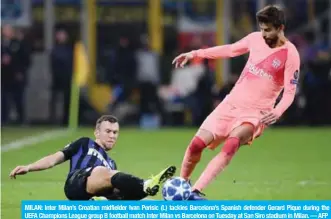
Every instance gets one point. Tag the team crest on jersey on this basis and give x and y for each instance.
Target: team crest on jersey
(276, 63)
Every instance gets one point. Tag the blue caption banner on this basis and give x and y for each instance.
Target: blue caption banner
(167, 209)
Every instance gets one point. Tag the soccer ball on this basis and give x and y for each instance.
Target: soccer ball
(176, 189)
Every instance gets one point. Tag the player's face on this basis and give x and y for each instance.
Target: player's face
(270, 34)
(107, 134)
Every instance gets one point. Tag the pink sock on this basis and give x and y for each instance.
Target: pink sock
(192, 157)
(218, 163)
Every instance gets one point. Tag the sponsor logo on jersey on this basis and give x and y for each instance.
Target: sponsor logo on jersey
(258, 71)
(94, 152)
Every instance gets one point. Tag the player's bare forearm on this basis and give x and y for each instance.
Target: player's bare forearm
(42, 164)
(46, 162)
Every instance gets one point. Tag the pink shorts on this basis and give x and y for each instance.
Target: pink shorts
(226, 118)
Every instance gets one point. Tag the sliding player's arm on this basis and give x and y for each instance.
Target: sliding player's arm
(48, 161)
(42, 164)
(291, 80)
(225, 51)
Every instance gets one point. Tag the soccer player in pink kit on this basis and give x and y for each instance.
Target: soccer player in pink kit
(273, 65)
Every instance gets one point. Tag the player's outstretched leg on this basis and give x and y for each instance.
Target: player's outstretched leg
(237, 137)
(102, 180)
(152, 185)
(193, 152)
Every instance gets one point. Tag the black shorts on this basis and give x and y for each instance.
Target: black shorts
(75, 187)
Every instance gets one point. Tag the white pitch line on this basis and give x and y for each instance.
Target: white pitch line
(28, 141)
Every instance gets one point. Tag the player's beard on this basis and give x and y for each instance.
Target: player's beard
(109, 145)
(271, 42)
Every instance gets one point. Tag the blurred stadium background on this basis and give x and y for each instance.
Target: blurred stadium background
(66, 62)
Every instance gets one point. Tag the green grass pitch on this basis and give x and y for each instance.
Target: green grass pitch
(283, 164)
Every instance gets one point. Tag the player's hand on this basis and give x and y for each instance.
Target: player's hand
(182, 59)
(19, 170)
(269, 118)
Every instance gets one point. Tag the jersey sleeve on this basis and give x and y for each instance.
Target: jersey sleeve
(225, 51)
(291, 80)
(73, 148)
(115, 166)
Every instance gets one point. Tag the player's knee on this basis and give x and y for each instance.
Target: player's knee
(244, 133)
(99, 179)
(100, 172)
(197, 145)
(200, 141)
(231, 146)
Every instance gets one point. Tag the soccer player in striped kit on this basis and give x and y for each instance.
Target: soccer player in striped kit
(93, 174)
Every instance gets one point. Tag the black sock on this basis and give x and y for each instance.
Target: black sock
(130, 186)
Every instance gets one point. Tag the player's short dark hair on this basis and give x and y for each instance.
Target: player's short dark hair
(108, 118)
(271, 14)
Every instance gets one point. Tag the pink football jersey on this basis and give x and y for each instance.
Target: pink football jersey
(267, 72)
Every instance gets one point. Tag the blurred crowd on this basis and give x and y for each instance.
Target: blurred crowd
(147, 90)
(16, 55)
(15, 62)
